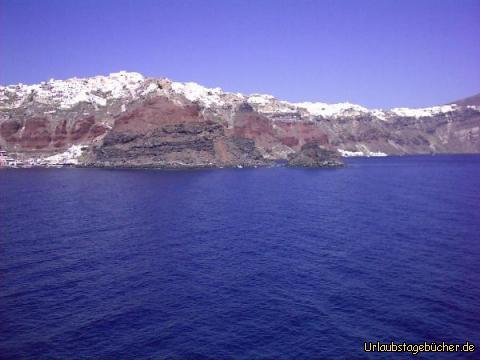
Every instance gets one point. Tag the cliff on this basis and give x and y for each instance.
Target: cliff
(127, 120)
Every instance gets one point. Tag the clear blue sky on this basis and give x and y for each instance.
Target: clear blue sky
(378, 53)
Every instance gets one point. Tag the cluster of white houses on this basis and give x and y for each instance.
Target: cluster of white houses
(7, 161)
(13, 161)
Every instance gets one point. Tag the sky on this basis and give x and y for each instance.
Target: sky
(377, 53)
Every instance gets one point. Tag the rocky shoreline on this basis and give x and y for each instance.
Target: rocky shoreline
(125, 120)
(296, 162)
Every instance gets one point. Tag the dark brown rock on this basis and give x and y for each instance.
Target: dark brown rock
(313, 155)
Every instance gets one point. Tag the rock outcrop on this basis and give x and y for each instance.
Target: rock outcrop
(127, 120)
(313, 155)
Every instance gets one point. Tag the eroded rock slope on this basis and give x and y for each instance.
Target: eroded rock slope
(127, 120)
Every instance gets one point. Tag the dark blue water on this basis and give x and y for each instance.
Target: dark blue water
(252, 263)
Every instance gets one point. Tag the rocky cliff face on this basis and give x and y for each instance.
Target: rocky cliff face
(127, 120)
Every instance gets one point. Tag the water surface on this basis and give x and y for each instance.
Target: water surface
(239, 263)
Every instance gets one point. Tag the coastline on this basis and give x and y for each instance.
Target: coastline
(273, 164)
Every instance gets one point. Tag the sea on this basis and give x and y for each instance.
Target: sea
(267, 263)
